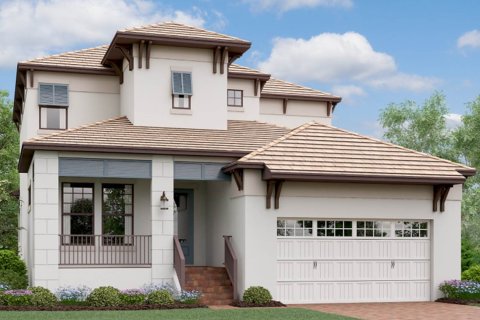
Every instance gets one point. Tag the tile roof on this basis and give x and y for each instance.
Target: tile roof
(276, 87)
(315, 150)
(90, 58)
(120, 135)
(173, 29)
(235, 68)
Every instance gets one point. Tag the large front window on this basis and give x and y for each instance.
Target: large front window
(117, 211)
(77, 212)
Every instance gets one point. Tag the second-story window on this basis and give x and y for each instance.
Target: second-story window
(181, 90)
(53, 103)
(234, 98)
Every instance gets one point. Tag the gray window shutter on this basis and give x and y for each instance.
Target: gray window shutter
(61, 95)
(187, 83)
(45, 94)
(177, 83)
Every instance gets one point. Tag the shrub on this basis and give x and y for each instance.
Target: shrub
(104, 297)
(188, 297)
(151, 287)
(72, 295)
(161, 297)
(3, 287)
(42, 297)
(472, 274)
(16, 298)
(13, 272)
(257, 295)
(457, 289)
(132, 296)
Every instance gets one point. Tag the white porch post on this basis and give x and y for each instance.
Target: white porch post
(46, 226)
(162, 220)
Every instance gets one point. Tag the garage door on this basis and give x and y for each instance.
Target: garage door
(320, 261)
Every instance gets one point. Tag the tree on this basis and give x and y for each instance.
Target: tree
(422, 128)
(9, 152)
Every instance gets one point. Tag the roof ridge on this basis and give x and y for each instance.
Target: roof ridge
(302, 86)
(239, 65)
(40, 138)
(395, 145)
(276, 141)
(63, 53)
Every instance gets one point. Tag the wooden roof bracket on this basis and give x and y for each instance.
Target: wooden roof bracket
(285, 103)
(216, 55)
(440, 194)
(21, 76)
(141, 45)
(262, 84)
(148, 49)
(329, 108)
(222, 59)
(127, 54)
(118, 70)
(270, 187)
(255, 86)
(238, 177)
(274, 186)
(31, 78)
(278, 191)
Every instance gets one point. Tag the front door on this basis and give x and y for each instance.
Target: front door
(184, 201)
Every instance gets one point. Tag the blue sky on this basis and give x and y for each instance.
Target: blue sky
(370, 52)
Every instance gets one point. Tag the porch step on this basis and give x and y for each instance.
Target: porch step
(213, 282)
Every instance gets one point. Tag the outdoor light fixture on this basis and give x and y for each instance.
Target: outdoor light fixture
(164, 201)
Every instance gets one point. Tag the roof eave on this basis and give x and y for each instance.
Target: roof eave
(326, 98)
(249, 76)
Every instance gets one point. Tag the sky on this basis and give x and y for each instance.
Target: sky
(370, 52)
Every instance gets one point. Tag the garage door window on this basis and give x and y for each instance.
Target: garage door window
(294, 228)
(411, 229)
(334, 228)
(379, 229)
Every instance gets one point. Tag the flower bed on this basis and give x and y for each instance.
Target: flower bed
(71, 307)
(460, 292)
(270, 304)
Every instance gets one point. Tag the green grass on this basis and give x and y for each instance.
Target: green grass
(190, 314)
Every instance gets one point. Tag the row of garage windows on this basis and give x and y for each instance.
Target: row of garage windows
(352, 228)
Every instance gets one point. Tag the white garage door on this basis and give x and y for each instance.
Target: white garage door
(320, 261)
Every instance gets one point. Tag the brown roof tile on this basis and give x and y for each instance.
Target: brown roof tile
(120, 135)
(173, 29)
(276, 87)
(314, 150)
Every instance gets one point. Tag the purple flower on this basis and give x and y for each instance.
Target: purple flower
(18, 293)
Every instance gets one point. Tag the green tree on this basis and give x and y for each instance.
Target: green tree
(9, 152)
(422, 128)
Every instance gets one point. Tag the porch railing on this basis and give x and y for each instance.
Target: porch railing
(179, 261)
(231, 264)
(106, 250)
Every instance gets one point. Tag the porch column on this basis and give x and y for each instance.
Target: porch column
(46, 222)
(162, 220)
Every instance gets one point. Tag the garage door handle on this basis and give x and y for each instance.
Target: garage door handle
(392, 265)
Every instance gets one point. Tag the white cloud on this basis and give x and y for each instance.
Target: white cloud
(453, 120)
(286, 5)
(33, 28)
(348, 92)
(339, 58)
(469, 39)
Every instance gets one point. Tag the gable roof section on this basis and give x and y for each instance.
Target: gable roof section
(120, 136)
(319, 152)
(241, 72)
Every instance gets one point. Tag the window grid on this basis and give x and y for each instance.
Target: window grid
(234, 98)
(371, 229)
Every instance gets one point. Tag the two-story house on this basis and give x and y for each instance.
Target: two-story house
(157, 159)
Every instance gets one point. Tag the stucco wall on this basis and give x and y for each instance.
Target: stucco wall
(328, 200)
(298, 112)
(251, 103)
(91, 98)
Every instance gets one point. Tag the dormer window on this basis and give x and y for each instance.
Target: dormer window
(53, 102)
(181, 90)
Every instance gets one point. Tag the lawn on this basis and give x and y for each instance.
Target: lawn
(190, 314)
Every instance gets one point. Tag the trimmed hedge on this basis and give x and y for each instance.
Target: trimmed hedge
(104, 297)
(257, 295)
(132, 297)
(42, 297)
(13, 272)
(161, 297)
(472, 273)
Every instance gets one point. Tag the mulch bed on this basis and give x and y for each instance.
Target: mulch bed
(458, 301)
(61, 307)
(271, 304)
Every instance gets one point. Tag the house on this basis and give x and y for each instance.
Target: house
(157, 159)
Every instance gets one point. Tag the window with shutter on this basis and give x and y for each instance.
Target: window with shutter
(53, 95)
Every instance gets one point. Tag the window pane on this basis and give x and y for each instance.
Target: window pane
(369, 224)
(348, 233)
(330, 233)
(298, 232)
(290, 223)
(281, 223)
(308, 232)
(82, 206)
(280, 232)
(231, 101)
(308, 224)
(424, 225)
(81, 224)
(321, 232)
(321, 224)
(423, 233)
(348, 224)
(289, 233)
(360, 224)
(113, 225)
(53, 118)
(339, 233)
(238, 94)
(338, 224)
(231, 94)
(360, 233)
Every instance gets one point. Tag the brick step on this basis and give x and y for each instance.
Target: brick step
(207, 283)
(213, 282)
(217, 302)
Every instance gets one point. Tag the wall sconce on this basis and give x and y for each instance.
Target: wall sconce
(163, 201)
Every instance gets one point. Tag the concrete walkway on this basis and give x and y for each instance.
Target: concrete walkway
(399, 311)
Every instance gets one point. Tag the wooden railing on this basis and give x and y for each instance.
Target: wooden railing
(106, 250)
(231, 264)
(179, 261)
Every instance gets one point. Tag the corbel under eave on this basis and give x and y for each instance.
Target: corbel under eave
(440, 194)
(273, 186)
(238, 177)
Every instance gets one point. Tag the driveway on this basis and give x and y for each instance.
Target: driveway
(399, 311)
